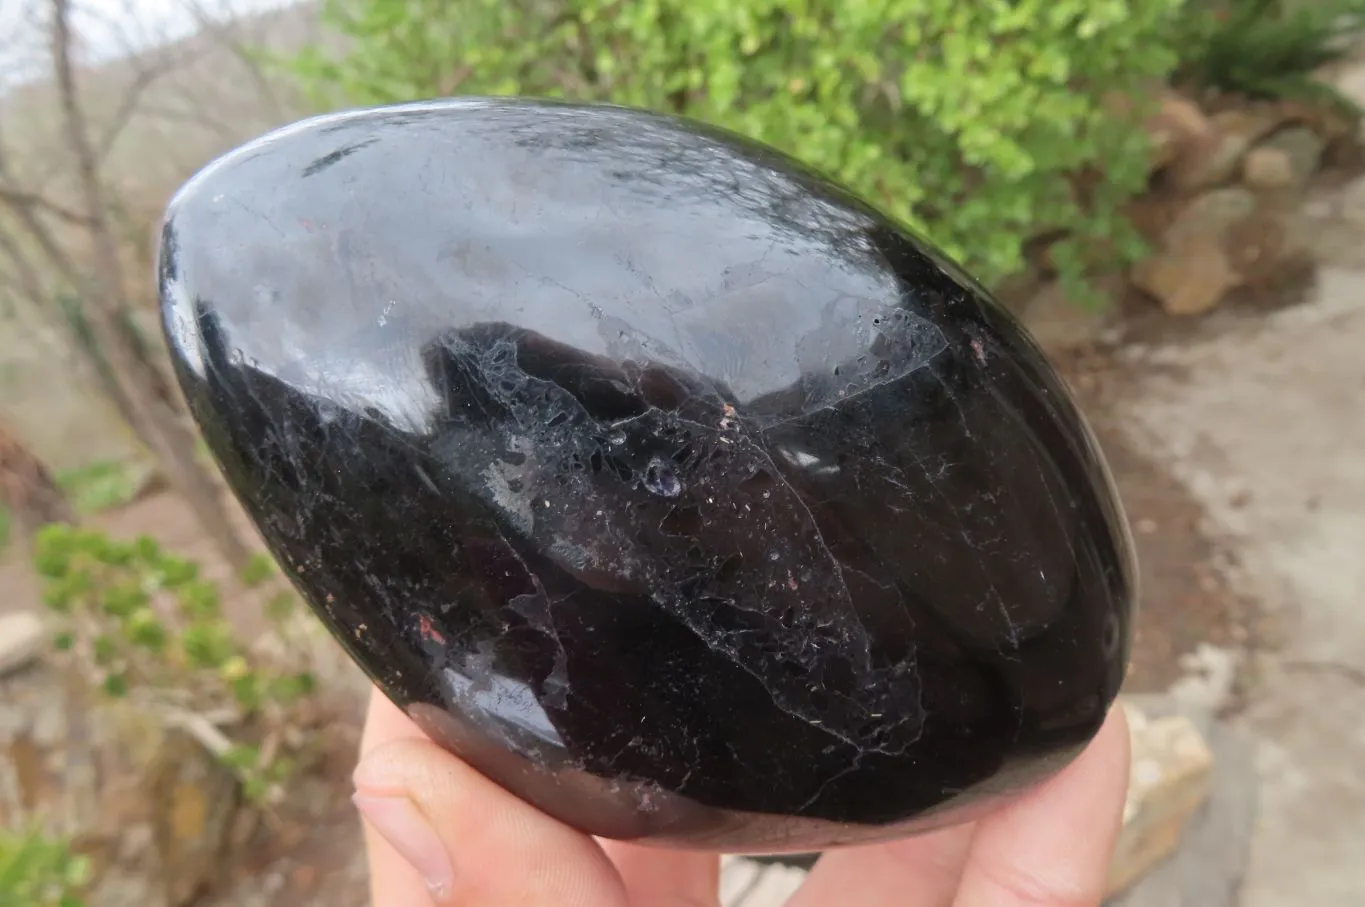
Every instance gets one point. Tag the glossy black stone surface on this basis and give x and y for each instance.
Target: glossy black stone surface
(672, 487)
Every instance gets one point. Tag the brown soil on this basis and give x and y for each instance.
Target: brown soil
(1184, 598)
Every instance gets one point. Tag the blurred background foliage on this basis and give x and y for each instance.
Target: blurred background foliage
(978, 123)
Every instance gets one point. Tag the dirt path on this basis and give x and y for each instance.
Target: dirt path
(1264, 423)
(1185, 597)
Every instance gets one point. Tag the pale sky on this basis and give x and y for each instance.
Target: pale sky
(109, 28)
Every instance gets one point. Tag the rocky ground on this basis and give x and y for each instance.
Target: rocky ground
(1274, 458)
(1225, 387)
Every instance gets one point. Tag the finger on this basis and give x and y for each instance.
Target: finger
(442, 834)
(916, 872)
(393, 880)
(655, 877)
(384, 722)
(1054, 846)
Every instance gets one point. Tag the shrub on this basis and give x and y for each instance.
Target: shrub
(39, 871)
(100, 485)
(142, 623)
(1270, 48)
(966, 120)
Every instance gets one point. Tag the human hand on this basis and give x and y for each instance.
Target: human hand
(439, 834)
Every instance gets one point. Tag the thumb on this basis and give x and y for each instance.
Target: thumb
(433, 823)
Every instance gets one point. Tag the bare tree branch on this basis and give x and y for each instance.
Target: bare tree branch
(27, 216)
(109, 268)
(152, 415)
(15, 197)
(26, 278)
(223, 36)
(128, 104)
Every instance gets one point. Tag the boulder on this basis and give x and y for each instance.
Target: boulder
(1301, 149)
(1268, 168)
(1192, 268)
(23, 637)
(1209, 862)
(1059, 322)
(1217, 157)
(1169, 781)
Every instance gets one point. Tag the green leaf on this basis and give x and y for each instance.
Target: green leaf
(292, 687)
(146, 630)
(176, 572)
(259, 569)
(105, 649)
(208, 645)
(281, 607)
(199, 599)
(116, 685)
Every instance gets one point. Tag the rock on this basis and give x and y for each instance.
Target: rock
(1190, 279)
(1177, 128)
(1211, 214)
(1349, 81)
(23, 639)
(1060, 323)
(722, 511)
(1170, 780)
(196, 802)
(1301, 147)
(144, 804)
(1268, 168)
(1206, 686)
(1211, 858)
(1215, 160)
(1351, 201)
(1192, 270)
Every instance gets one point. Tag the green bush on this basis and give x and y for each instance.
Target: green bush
(39, 871)
(141, 622)
(100, 485)
(967, 120)
(1270, 48)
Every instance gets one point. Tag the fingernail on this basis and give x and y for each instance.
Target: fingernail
(401, 823)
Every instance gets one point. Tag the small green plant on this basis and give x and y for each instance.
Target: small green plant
(969, 121)
(1269, 49)
(142, 623)
(101, 485)
(94, 487)
(40, 871)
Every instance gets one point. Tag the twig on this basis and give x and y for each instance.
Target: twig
(199, 727)
(17, 198)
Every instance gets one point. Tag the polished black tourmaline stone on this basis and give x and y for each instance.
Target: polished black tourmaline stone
(669, 485)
